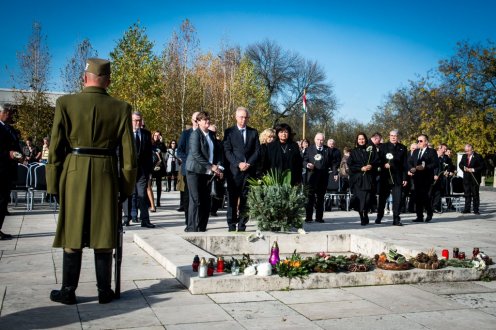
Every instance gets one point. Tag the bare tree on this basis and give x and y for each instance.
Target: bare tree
(34, 62)
(286, 76)
(72, 74)
(34, 113)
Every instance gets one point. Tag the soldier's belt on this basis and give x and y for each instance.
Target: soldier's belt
(93, 151)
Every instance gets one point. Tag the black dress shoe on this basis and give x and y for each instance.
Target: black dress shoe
(5, 237)
(241, 229)
(147, 224)
(231, 229)
(126, 223)
(378, 221)
(213, 214)
(135, 220)
(428, 218)
(477, 212)
(320, 221)
(308, 221)
(397, 224)
(181, 209)
(418, 220)
(466, 211)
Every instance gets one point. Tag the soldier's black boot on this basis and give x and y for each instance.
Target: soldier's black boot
(71, 268)
(103, 268)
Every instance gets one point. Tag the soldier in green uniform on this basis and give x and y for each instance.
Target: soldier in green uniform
(89, 130)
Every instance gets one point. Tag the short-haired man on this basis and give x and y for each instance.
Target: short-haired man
(317, 162)
(144, 155)
(393, 158)
(241, 151)
(472, 166)
(83, 170)
(423, 164)
(182, 154)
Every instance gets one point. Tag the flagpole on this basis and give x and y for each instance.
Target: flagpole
(304, 123)
(304, 103)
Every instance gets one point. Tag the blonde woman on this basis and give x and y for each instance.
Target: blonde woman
(266, 137)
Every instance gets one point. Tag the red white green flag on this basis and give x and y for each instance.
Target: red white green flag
(304, 101)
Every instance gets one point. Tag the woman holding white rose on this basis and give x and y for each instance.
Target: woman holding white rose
(363, 159)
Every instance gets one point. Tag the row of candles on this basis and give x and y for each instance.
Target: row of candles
(457, 254)
(205, 268)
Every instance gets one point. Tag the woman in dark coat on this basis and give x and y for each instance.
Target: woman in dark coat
(363, 159)
(284, 154)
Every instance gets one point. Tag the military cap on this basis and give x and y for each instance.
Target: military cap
(97, 66)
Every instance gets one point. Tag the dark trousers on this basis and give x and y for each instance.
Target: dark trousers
(423, 199)
(395, 191)
(184, 199)
(199, 201)
(141, 198)
(471, 193)
(237, 208)
(4, 198)
(438, 191)
(315, 199)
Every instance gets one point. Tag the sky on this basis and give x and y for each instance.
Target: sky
(368, 49)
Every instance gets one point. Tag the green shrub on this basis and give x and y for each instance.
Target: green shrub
(274, 203)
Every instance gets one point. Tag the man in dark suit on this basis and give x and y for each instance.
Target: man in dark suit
(202, 164)
(182, 154)
(423, 164)
(317, 161)
(472, 166)
(335, 158)
(9, 156)
(440, 186)
(143, 143)
(393, 158)
(241, 150)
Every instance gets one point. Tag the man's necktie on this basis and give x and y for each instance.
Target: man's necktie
(137, 141)
(242, 130)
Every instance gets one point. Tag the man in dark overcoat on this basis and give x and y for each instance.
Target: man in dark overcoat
(9, 149)
(83, 171)
(423, 164)
(472, 166)
(318, 161)
(393, 176)
(241, 151)
(144, 155)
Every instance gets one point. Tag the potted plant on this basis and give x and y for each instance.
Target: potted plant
(274, 203)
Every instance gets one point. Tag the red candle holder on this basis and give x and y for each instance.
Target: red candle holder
(461, 255)
(445, 254)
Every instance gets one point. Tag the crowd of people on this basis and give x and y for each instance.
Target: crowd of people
(115, 160)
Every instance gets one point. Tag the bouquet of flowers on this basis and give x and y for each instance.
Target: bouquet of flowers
(292, 267)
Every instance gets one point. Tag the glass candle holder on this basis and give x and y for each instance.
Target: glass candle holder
(445, 254)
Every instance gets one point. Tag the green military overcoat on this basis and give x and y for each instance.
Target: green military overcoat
(88, 185)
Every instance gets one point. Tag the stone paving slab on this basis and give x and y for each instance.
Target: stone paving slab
(293, 322)
(374, 322)
(453, 287)
(313, 296)
(191, 314)
(222, 325)
(461, 319)
(232, 297)
(403, 299)
(476, 300)
(339, 309)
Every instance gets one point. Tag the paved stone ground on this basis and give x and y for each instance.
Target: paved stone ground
(152, 299)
